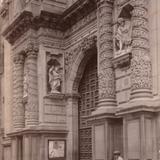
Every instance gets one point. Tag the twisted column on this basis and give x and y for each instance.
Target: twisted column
(18, 107)
(141, 77)
(105, 54)
(31, 112)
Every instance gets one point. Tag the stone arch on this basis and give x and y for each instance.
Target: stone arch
(88, 48)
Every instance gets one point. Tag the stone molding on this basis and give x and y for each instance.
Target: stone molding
(60, 22)
(21, 25)
(76, 12)
(4, 8)
(37, 131)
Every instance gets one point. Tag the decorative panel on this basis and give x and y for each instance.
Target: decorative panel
(88, 90)
(133, 132)
(7, 153)
(149, 138)
(99, 142)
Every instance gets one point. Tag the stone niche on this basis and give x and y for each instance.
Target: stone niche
(123, 37)
(54, 101)
(123, 52)
(54, 73)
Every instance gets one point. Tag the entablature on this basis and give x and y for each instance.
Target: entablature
(28, 19)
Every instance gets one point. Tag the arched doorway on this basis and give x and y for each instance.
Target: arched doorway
(88, 90)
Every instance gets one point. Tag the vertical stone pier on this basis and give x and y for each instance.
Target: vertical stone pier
(141, 77)
(31, 110)
(105, 54)
(18, 107)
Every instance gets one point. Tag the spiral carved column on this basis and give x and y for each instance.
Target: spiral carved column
(105, 54)
(31, 112)
(141, 79)
(18, 107)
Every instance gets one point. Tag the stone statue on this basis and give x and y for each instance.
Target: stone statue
(123, 34)
(55, 79)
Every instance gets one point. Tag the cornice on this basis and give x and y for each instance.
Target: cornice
(62, 22)
(18, 27)
(76, 12)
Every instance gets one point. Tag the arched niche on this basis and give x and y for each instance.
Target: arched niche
(54, 76)
(123, 30)
(126, 12)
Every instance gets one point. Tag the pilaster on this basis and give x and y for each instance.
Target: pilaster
(18, 107)
(31, 110)
(72, 125)
(141, 77)
(105, 54)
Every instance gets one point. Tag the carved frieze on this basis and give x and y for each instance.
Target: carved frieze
(26, 20)
(18, 27)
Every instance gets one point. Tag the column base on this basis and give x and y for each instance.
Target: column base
(106, 106)
(109, 102)
(141, 93)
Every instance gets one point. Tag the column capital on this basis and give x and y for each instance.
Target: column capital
(32, 50)
(142, 3)
(19, 58)
(100, 2)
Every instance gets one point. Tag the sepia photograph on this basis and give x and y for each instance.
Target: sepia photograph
(79, 79)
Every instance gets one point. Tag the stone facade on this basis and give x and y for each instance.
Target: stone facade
(80, 75)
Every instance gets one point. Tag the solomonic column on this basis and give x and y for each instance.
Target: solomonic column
(141, 80)
(18, 107)
(105, 54)
(31, 109)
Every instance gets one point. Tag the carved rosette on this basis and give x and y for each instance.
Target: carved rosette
(18, 111)
(105, 53)
(141, 79)
(31, 110)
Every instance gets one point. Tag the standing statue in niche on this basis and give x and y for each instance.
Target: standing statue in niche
(123, 35)
(55, 78)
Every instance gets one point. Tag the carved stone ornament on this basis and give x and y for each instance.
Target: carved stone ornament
(25, 82)
(31, 107)
(26, 20)
(70, 57)
(141, 77)
(121, 2)
(123, 37)
(105, 51)
(4, 8)
(18, 108)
